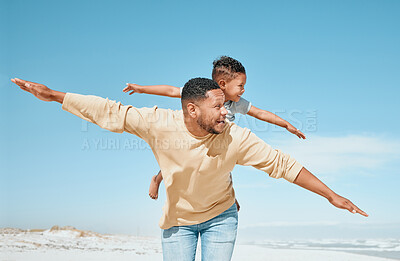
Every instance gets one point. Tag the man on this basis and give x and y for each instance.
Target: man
(196, 150)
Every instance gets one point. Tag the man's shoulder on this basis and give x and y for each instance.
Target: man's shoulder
(162, 119)
(235, 130)
(161, 111)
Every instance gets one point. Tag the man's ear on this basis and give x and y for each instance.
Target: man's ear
(191, 109)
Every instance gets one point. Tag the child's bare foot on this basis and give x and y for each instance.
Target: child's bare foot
(154, 185)
(237, 205)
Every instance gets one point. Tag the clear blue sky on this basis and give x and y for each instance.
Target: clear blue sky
(329, 67)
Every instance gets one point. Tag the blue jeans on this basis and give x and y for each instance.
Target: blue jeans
(217, 235)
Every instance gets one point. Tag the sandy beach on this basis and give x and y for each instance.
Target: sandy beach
(67, 244)
(242, 252)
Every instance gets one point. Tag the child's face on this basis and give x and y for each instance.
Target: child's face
(234, 88)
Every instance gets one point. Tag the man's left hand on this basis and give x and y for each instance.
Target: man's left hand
(344, 203)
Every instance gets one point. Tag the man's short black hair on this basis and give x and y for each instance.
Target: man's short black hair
(226, 68)
(196, 88)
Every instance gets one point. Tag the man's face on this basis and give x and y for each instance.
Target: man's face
(212, 113)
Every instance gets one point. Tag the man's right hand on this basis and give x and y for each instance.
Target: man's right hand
(40, 91)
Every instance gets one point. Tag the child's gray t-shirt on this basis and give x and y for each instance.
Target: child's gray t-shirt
(242, 106)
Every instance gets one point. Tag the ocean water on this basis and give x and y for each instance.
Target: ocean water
(388, 248)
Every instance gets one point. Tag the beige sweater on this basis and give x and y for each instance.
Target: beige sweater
(196, 170)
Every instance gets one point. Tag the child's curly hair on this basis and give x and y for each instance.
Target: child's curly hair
(226, 68)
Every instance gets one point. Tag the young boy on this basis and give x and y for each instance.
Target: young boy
(231, 78)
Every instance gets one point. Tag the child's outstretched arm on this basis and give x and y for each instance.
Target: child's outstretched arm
(163, 90)
(274, 119)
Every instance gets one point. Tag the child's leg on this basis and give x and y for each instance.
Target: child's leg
(154, 185)
(237, 205)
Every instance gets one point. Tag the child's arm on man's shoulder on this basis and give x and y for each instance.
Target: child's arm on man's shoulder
(274, 119)
(163, 90)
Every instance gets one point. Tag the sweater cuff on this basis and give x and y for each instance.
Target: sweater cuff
(293, 172)
(66, 101)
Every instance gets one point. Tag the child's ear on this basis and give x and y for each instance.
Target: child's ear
(222, 84)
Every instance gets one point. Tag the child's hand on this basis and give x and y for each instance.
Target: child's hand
(134, 88)
(296, 132)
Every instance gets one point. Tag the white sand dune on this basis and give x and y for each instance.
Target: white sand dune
(70, 244)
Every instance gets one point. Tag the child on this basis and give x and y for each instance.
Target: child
(231, 78)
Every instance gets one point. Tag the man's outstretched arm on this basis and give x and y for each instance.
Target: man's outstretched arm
(255, 152)
(105, 113)
(308, 181)
(40, 91)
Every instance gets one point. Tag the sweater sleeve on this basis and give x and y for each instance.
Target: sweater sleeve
(253, 151)
(111, 115)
